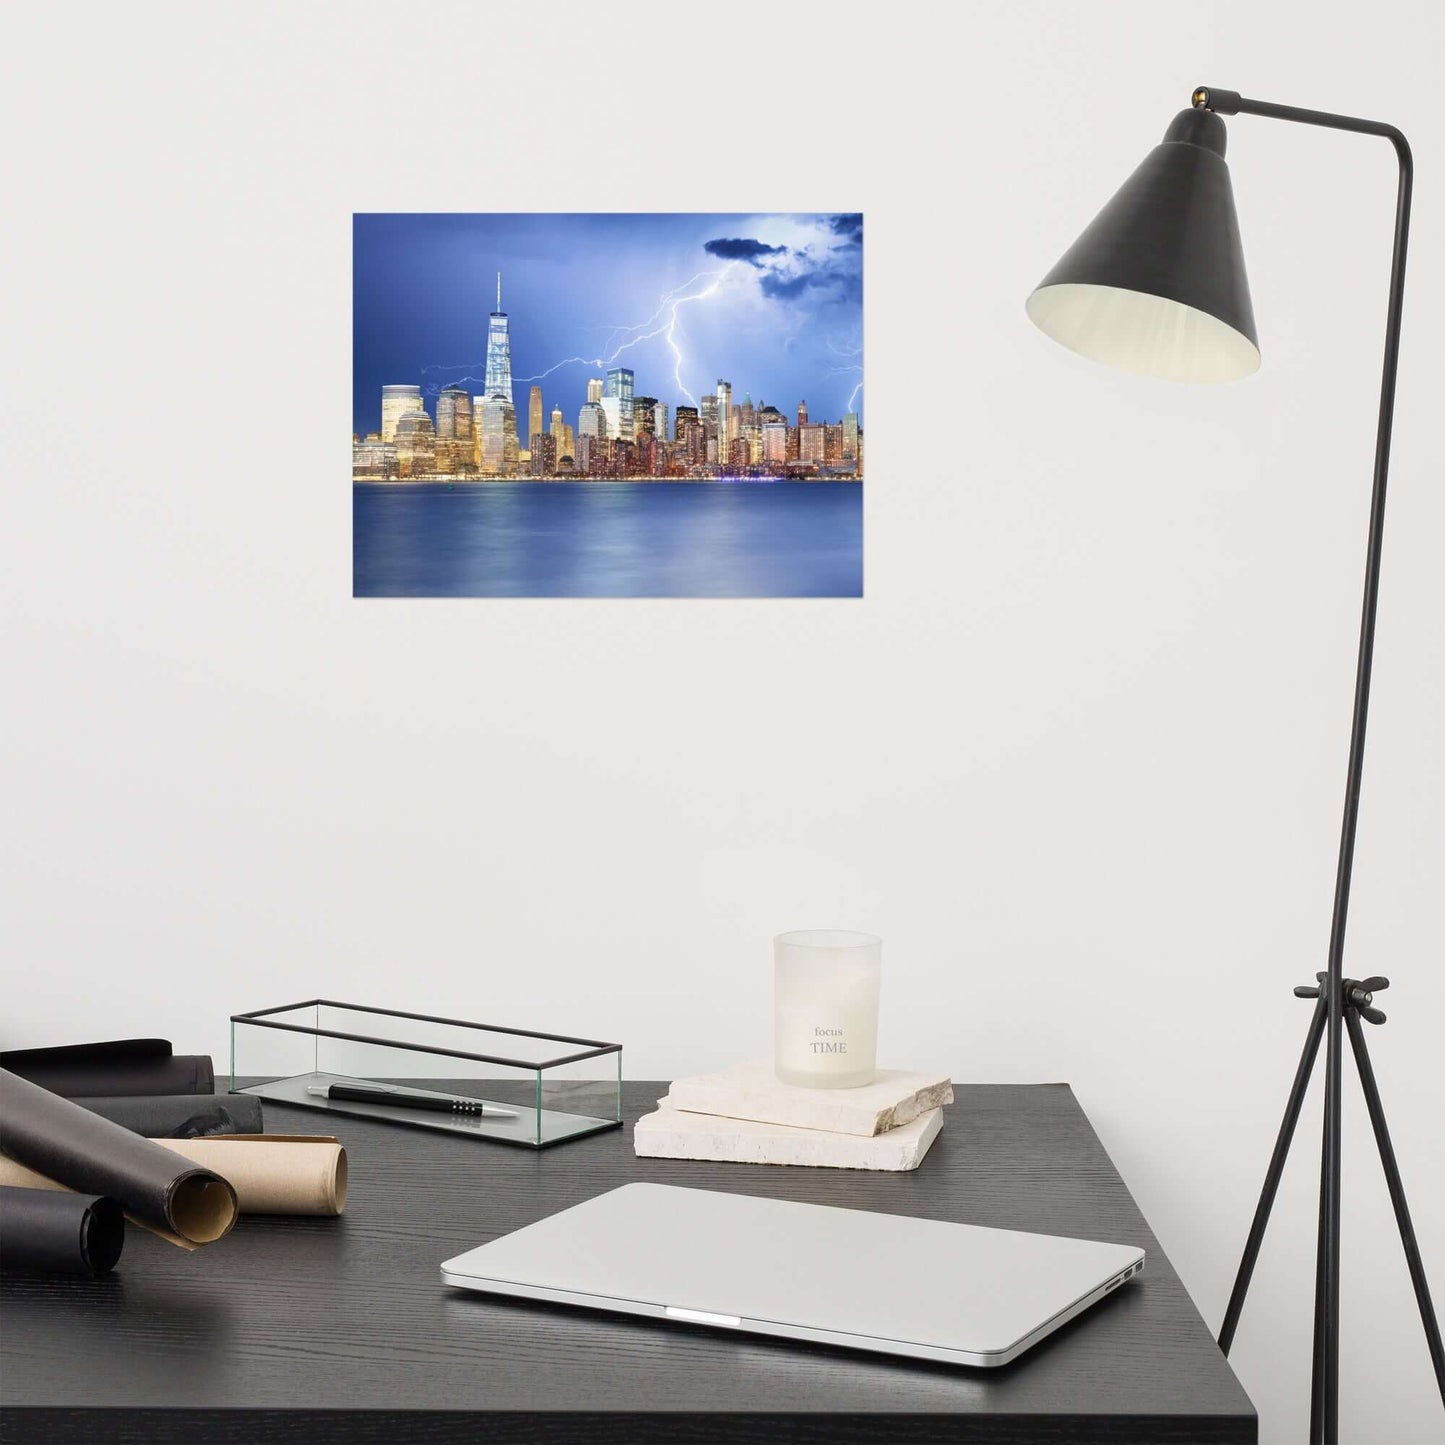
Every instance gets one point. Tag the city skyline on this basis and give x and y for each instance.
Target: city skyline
(619, 433)
(772, 302)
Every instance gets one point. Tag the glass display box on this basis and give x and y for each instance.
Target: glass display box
(509, 1086)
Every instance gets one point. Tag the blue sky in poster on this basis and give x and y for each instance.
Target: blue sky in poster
(772, 303)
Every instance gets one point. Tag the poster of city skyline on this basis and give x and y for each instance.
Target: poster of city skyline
(642, 405)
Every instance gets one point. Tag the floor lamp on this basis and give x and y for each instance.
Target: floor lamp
(1156, 285)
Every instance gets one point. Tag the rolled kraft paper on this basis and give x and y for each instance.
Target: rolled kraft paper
(175, 1198)
(181, 1116)
(42, 1232)
(274, 1173)
(114, 1067)
(271, 1173)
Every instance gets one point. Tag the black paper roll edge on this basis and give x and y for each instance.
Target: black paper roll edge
(55, 1232)
(102, 1235)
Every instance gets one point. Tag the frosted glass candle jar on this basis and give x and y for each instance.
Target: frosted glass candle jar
(825, 1032)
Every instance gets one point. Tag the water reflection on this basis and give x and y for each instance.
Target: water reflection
(609, 539)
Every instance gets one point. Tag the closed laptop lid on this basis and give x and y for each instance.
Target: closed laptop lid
(813, 1268)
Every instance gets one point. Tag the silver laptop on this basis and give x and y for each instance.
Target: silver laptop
(917, 1287)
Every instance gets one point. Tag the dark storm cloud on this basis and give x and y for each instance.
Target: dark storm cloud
(742, 248)
(839, 272)
(786, 288)
(850, 225)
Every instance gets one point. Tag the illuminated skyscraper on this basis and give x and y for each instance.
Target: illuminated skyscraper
(415, 445)
(708, 416)
(592, 421)
(725, 428)
(775, 441)
(659, 418)
(850, 436)
(543, 462)
(812, 444)
(454, 414)
(594, 388)
(690, 435)
(747, 413)
(644, 415)
(534, 414)
(396, 401)
(499, 355)
(617, 404)
(496, 435)
(567, 446)
(373, 460)
(453, 430)
(647, 454)
(802, 415)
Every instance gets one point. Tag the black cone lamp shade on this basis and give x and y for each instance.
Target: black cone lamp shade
(1156, 285)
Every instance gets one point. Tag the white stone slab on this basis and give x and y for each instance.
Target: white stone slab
(676, 1134)
(752, 1091)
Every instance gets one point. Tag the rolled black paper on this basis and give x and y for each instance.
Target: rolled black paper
(90, 1155)
(46, 1231)
(114, 1067)
(181, 1116)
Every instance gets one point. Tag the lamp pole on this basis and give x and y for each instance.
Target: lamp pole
(1156, 285)
(1343, 1003)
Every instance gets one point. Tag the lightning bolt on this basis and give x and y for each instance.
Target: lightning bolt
(669, 305)
(846, 351)
(662, 306)
(669, 328)
(847, 371)
(570, 361)
(654, 326)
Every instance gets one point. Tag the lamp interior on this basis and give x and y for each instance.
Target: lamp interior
(1148, 335)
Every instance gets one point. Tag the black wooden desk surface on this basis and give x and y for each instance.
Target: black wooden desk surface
(317, 1330)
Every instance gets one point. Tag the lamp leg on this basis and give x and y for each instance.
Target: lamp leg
(1272, 1176)
(1397, 1197)
(1330, 1222)
(1317, 1357)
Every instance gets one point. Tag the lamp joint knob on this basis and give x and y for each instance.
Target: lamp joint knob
(1221, 102)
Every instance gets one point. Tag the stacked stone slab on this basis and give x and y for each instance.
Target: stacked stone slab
(745, 1116)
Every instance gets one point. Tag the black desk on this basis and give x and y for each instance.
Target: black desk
(317, 1330)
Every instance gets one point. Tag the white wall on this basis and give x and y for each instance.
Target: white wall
(1079, 754)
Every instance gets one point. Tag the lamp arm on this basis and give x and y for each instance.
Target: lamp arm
(1327, 1300)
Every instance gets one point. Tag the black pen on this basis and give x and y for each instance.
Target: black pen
(409, 1099)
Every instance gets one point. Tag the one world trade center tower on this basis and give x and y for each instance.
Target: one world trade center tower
(499, 351)
(497, 449)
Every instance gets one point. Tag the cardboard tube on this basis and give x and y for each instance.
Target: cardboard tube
(81, 1151)
(274, 1173)
(270, 1173)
